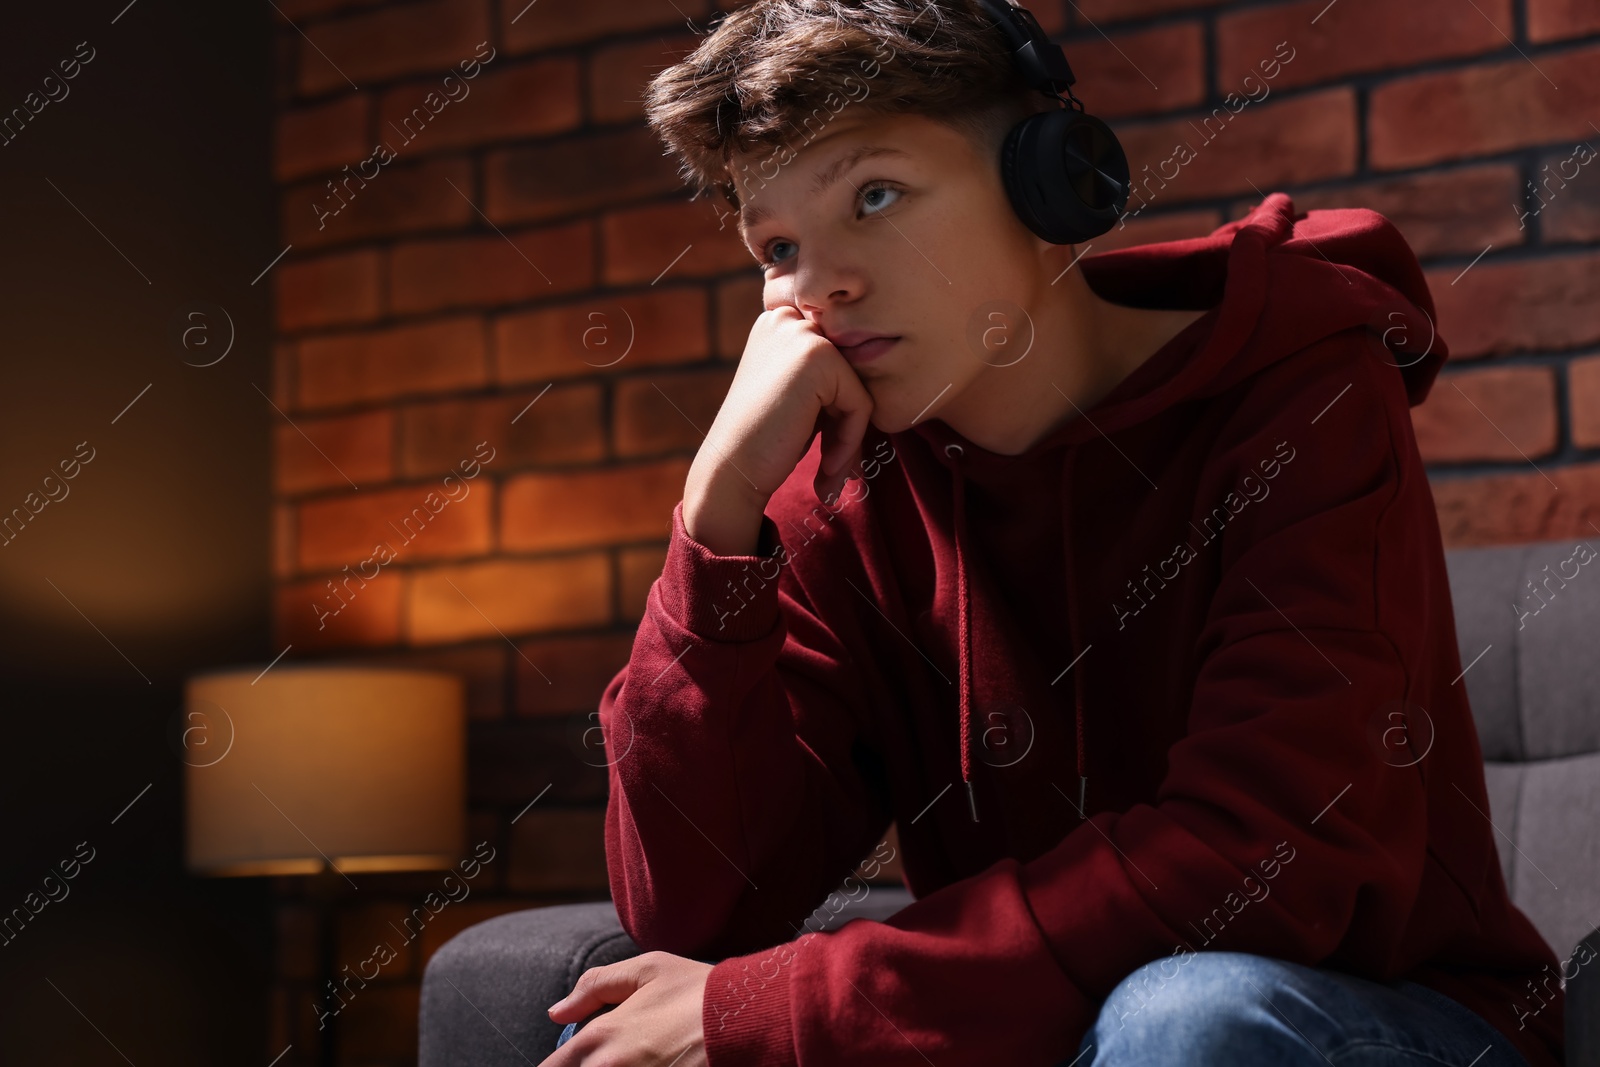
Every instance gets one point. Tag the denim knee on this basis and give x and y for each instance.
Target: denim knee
(1191, 1008)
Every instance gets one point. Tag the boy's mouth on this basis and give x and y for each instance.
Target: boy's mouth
(867, 350)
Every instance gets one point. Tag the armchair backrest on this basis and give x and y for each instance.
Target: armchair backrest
(1528, 629)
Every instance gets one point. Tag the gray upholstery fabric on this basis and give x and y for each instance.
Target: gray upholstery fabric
(1536, 691)
(485, 991)
(1533, 678)
(1528, 639)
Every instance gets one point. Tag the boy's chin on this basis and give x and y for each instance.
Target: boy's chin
(888, 416)
(898, 404)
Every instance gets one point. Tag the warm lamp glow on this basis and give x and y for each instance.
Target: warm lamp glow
(305, 766)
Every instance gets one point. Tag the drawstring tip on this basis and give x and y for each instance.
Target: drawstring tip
(1083, 786)
(972, 801)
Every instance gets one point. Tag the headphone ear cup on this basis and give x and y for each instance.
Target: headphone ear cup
(1066, 175)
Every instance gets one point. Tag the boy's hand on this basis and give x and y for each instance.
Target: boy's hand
(657, 1020)
(791, 382)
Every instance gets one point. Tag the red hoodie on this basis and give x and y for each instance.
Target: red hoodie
(1215, 607)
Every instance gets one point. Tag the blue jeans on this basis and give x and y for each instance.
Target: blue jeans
(1230, 1008)
(1223, 1009)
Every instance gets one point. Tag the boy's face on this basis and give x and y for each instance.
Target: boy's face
(916, 241)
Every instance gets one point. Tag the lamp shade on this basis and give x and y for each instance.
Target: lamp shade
(299, 768)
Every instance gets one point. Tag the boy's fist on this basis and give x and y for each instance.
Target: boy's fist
(791, 382)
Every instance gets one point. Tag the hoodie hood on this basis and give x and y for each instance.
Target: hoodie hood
(1273, 282)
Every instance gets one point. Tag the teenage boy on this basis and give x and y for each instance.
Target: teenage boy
(1115, 583)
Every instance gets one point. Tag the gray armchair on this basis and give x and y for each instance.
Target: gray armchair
(1534, 683)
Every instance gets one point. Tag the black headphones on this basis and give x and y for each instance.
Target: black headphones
(1065, 172)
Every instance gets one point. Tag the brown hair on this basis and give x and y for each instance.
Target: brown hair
(773, 72)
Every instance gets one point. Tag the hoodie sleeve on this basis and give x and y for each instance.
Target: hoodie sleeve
(1276, 829)
(744, 785)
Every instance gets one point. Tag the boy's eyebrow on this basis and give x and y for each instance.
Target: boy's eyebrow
(827, 177)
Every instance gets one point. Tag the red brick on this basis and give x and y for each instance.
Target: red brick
(1157, 69)
(334, 452)
(434, 356)
(345, 530)
(607, 332)
(379, 1024)
(528, 100)
(322, 136)
(739, 304)
(482, 666)
(1454, 211)
(667, 412)
(1519, 507)
(398, 199)
(1152, 228)
(312, 617)
(428, 36)
(563, 426)
(1295, 141)
(511, 766)
(619, 75)
(284, 361)
(1544, 304)
(587, 665)
(638, 568)
(328, 290)
(363, 927)
(1483, 109)
(576, 174)
(492, 269)
(508, 597)
(1103, 12)
(1583, 389)
(555, 850)
(529, 27)
(1051, 16)
(283, 551)
(545, 512)
(1569, 192)
(1352, 37)
(669, 241)
(1553, 20)
(1503, 413)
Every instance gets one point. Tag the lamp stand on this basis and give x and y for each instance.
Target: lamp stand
(326, 889)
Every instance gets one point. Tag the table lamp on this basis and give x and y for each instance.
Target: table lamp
(325, 769)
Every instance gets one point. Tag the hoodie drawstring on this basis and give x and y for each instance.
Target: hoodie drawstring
(963, 637)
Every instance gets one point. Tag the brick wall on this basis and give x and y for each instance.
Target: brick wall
(478, 282)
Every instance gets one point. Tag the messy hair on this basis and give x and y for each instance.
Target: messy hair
(773, 72)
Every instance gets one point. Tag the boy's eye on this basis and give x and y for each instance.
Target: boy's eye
(877, 187)
(772, 259)
(871, 205)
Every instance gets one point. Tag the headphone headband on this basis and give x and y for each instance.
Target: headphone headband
(1042, 62)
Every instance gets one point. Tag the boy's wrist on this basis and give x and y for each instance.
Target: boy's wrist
(723, 518)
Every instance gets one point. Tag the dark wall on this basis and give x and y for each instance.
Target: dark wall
(138, 194)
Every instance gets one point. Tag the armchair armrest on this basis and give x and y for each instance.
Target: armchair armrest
(484, 993)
